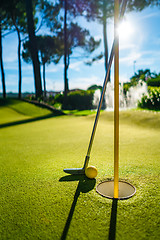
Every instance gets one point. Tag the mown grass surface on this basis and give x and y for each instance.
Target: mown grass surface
(39, 201)
(79, 113)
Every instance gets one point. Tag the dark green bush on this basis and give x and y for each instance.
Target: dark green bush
(154, 82)
(80, 100)
(31, 97)
(151, 100)
(95, 87)
(59, 98)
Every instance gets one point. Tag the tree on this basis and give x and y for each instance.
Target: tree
(74, 35)
(1, 62)
(95, 87)
(106, 8)
(61, 19)
(15, 20)
(15, 13)
(3, 26)
(103, 10)
(143, 75)
(66, 50)
(155, 2)
(139, 5)
(33, 48)
(50, 50)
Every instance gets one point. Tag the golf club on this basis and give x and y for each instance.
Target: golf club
(82, 170)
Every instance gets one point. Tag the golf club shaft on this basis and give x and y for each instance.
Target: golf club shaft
(124, 3)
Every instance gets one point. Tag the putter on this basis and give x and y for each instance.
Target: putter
(76, 171)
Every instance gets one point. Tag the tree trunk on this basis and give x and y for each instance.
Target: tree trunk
(19, 65)
(33, 49)
(66, 88)
(2, 68)
(44, 81)
(105, 36)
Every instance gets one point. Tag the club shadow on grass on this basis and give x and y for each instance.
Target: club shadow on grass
(84, 185)
(113, 220)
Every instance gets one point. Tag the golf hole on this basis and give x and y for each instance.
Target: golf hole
(106, 189)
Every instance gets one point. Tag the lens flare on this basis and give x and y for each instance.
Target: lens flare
(125, 30)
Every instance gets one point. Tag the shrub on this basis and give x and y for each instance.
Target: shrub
(80, 100)
(152, 89)
(95, 87)
(154, 82)
(59, 98)
(151, 100)
(31, 97)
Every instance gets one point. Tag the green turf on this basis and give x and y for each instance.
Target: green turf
(79, 113)
(39, 201)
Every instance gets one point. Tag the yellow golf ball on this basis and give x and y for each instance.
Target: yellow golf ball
(91, 172)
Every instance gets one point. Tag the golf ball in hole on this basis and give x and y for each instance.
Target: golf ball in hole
(91, 172)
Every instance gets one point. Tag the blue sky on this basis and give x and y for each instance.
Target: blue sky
(139, 43)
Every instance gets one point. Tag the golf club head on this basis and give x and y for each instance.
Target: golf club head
(74, 171)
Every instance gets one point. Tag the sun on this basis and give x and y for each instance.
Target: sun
(125, 30)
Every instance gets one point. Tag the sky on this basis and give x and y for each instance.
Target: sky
(139, 49)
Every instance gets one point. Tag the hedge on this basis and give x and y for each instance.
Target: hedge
(151, 100)
(77, 100)
(154, 82)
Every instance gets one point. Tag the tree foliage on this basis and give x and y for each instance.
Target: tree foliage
(143, 75)
(151, 78)
(16, 13)
(3, 26)
(60, 16)
(33, 48)
(50, 49)
(103, 10)
(139, 5)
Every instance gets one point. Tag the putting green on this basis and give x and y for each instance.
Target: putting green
(39, 201)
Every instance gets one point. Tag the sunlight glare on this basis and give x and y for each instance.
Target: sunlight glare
(125, 30)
